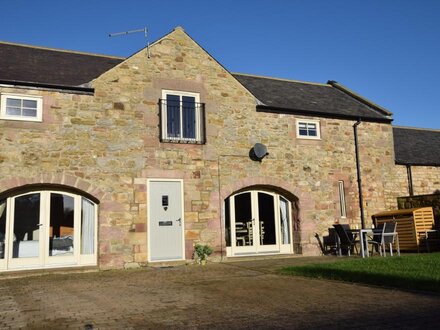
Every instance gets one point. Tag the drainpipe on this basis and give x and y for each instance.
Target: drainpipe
(358, 169)
(410, 180)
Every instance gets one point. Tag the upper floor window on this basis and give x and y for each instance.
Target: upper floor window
(308, 129)
(181, 117)
(21, 107)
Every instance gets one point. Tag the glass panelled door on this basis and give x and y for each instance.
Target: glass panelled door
(255, 222)
(60, 229)
(47, 229)
(26, 234)
(243, 223)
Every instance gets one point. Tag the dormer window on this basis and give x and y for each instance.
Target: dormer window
(21, 107)
(182, 117)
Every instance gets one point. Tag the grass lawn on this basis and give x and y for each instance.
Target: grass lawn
(416, 272)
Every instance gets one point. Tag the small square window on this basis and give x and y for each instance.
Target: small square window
(308, 129)
(21, 107)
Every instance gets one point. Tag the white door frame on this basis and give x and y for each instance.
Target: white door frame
(257, 248)
(8, 263)
(150, 180)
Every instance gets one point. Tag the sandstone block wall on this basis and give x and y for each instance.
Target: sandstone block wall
(108, 145)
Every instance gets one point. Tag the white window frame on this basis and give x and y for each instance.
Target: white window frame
(198, 125)
(308, 121)
(38, 99)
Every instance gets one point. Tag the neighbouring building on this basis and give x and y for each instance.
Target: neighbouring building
(119, 162)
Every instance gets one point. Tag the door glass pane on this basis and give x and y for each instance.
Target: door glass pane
(243, 220)
(26, 226)
(266, 214)
(285, 220)
(2, 227)
(227, 222)
(87, 227)
(61, 230)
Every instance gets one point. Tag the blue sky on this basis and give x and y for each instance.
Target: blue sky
(386, 50)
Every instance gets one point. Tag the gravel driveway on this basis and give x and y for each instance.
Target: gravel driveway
(232, 295)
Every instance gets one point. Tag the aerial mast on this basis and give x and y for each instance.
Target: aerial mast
(144, 30)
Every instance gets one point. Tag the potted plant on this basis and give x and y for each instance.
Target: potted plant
(201, 253)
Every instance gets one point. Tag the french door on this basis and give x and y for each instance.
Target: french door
(258, 223)
(47, 229)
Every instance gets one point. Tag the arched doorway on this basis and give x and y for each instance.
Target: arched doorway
(258, 221)
(47, 228)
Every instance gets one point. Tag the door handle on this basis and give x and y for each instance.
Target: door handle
(180, 221)
(39, 225)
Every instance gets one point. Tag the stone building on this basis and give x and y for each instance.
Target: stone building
(119, 162)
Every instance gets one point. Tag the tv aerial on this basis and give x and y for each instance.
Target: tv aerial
(144, 30)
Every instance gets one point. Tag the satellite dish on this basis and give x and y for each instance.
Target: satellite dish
(258, 152)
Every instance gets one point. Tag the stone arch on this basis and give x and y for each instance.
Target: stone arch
(303, 200)
(302, 204)
(51, 181)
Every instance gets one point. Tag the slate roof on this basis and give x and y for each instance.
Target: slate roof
(415, 146)
(51, 66)
(37, 65)
(331, 99)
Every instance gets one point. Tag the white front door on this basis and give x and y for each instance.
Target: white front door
(165, 220)
(258, 223)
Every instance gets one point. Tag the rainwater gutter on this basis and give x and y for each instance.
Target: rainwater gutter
(358, 169)
(410, 180)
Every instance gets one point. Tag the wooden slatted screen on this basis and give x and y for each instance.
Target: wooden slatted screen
(411, 225)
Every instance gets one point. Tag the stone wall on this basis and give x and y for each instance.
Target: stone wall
(108, 145)
(425, 179)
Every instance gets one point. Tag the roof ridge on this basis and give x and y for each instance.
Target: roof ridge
(359, 98)
(280, 79)
(418, 128)
(60, 50)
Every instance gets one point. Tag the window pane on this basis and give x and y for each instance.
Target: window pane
(189, 117)
(173, 115)
(61, 230)
(30, 112)
(11, 111)
(312, 132)
(30, 104)
(27, 226)
(303, 132)
(13, 102)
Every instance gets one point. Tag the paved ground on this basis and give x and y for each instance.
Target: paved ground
(245, 295)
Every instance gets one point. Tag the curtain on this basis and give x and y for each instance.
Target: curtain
(284, 221)
(87, 227)
(2, 207)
